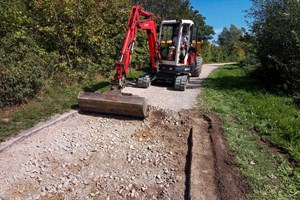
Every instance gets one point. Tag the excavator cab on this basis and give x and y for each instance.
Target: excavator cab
(174, 40)
(180, 59)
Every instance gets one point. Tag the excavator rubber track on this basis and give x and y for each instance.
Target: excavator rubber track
(113, 102)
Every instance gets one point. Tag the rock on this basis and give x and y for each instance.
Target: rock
(85, 182)
(43, 194)
(36, 197)
(132, 193)
(92, 194)
(120, 191)
(5, 120)
(128, 187)
(58, 187)
(143, 188)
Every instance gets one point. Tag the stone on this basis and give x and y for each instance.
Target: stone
(143, 188)
(92, 194)
(5, 120)
(132, 193)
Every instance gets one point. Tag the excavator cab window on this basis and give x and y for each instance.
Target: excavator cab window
(196, 40)
(167, 48)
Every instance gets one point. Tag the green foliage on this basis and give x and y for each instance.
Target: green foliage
(251, 115)
(212, 53)
(179, 9)
(249, 63)
(66, 41)
(23, 68)
(272, 116)
(230, 43)
(231, 46)
(277, 29)
(228, 36)
(87, 40)
(52, 100)
(168, 9)
(141, 56)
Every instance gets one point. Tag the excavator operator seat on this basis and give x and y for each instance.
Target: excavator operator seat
(175, 40)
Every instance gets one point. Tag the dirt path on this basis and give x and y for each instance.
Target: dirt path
(175, 153)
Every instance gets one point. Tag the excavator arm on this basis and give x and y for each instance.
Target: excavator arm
(114, 101)
(134, 23)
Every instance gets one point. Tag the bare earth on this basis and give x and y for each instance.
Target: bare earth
(175, 153)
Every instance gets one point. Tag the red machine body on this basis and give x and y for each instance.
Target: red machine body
(134, 23)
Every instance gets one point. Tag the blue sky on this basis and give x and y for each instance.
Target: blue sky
(222, 13)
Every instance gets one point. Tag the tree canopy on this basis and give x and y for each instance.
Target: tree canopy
(276, 28)
(227, 36)
(180, 9)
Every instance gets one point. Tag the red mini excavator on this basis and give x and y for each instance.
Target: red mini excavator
(168, 61)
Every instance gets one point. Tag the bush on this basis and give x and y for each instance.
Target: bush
(63, 40)
(249, 64)
(23, 68)
(277, 29)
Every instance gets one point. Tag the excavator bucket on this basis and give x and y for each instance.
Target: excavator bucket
(113, 102)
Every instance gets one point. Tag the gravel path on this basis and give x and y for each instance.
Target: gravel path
(167, 98)
(103, 157)
(99, 157)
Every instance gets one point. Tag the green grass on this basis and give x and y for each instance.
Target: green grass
(251, 115)
(50, 101)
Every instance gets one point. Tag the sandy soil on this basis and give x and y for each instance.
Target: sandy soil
(175, 153)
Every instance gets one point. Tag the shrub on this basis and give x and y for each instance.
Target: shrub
(277, 30)
(22, 69)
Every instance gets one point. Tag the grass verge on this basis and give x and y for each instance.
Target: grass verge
(52, 100)
(254, 123)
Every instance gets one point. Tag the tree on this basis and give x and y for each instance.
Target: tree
(179, 9)
(65, 41)
(228, 36)
(231, 47)
(276, 26)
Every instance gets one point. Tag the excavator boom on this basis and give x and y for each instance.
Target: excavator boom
(114, 101)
